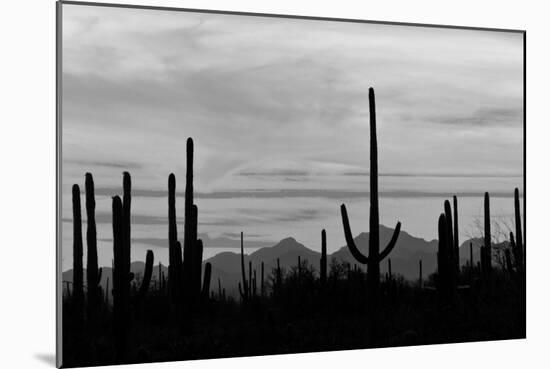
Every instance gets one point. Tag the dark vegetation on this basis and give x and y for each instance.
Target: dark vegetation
(312, 306)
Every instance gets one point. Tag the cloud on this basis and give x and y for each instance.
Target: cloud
(281, 172)
(292, 193)
(98, 163)
(486, 117)
(216, 242)
(280, 122)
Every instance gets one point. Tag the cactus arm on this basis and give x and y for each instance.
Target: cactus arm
(349, 238)
(149, 260)
(99, 275)
(392, 242)
(206, 282)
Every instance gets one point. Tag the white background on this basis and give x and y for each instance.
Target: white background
(27, 192)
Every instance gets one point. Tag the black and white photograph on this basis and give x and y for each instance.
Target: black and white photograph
(237, 184)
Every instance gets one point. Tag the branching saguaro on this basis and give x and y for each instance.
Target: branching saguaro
(185, 263)
(448, 259)
(121, 274)
(375, 256)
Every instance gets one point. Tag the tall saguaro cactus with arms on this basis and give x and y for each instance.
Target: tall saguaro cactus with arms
(375, 256)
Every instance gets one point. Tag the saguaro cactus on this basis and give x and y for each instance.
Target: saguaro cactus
(121, 283)
(149, 260)
(446, 281)
(471, 268)
(451, 245)
(375, 256)
(519, 248)
(174, 257)
(455, 236)
(126, 218)
(121, 274)
(262, 286)
(485, 251)
(93, 273)
(189, 226)
(244, 287)
(420, 278)
(254, 284)
(323, 269)
(197, 267)
(278, 279)
(206, 282)
(78, 273)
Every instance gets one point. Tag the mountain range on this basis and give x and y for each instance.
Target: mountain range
(226, 266)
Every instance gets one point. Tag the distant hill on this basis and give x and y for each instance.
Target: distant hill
(137, 267)
(404, 257)
(226, 266)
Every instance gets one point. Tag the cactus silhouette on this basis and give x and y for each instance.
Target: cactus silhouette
(197, 268)
(451, 252)
(121, 274)
(375, 256)
(299, 269)
(93, 273)
(420, 278)
(78, 273)
(254, 284)
(243, 285)
(250, 279)
(471, 268)
(174, 257)
(160, 275)
(189, 227)
(323, 269)
(262, 288)
(121, 283)
(206, 282)
(518, 247)
(485, 251)
(456, 242)
(446, 281)
(126, 218)
(149, 260)
(277, 288)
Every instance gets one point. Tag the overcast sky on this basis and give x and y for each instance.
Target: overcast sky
(278, 109)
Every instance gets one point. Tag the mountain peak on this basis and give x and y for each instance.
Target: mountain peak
(287, 240)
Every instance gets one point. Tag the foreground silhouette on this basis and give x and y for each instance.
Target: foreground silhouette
(302, 309)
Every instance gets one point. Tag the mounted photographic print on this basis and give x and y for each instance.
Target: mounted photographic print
(235, 184)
